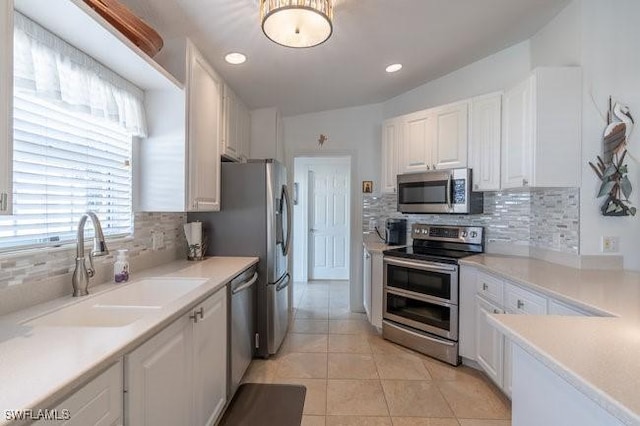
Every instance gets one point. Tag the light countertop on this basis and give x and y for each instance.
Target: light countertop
(41, 365)
(374, 244)
(599, 356)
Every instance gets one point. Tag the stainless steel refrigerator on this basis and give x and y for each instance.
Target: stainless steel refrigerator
(255, 220)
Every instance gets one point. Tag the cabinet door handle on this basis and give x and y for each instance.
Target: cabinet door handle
(520, 304)
(485, 287)
(194, 316)
(3, 202)
(475, 187)
(525, 182)
(496, 311)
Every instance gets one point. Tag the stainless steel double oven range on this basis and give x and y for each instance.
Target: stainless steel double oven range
(421, 289)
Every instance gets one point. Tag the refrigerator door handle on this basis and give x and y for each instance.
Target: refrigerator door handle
(284, 282)
(287, 201)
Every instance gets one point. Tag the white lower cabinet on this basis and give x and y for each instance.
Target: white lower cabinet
(98, 403)
(483, 294)
(373, 291)
(179, 375)
(158, 379)
(489, 342)
(542, 397)
(366, 282)
(210, 359)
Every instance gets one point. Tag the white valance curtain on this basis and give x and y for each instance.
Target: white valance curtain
(51, 69)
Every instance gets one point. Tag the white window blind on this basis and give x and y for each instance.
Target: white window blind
(65, 163)
(74, 122)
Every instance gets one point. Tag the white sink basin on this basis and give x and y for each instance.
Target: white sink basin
(120, 307)
(84, 315)
(148, 292)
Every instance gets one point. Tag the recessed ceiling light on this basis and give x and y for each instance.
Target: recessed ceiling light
(235, 58)
(394, 68)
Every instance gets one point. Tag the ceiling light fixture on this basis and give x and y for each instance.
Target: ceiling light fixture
(235, 58)
(394, 68)
(297, 23)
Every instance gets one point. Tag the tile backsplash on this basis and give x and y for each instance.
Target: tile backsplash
(39, 265)
(544, 218)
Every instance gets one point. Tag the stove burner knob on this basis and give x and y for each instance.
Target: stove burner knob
(464, 234)
(474, 234)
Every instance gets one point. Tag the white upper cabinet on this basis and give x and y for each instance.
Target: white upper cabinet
(450, 145)
(517, 131)
(204, 117)
(6, 106)
(237, 127)
(542, 130)
(179, 162)
(391, 146)
(417, 144)
(484, 141)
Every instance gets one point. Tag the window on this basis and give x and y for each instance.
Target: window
(74, 123)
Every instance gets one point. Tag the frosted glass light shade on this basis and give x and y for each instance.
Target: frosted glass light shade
(297, 23)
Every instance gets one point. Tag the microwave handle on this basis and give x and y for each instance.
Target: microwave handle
(449, 184)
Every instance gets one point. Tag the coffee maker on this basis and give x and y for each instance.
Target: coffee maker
(396, 232)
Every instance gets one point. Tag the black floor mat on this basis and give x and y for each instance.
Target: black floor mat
(257, 404)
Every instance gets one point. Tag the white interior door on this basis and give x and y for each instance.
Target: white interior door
(329, 221)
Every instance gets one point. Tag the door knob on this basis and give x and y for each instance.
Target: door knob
(312, 230)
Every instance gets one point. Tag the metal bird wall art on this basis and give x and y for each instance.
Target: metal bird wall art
(610, 168)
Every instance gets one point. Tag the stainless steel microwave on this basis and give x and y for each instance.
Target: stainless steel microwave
(440, 191)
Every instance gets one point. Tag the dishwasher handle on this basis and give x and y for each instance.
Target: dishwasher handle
(245, 285)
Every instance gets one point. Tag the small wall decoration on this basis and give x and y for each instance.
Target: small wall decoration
(322, 140)
(367, 186)
(611, 168)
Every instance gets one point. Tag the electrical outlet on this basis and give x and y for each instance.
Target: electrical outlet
(157, 240)
(610, 244)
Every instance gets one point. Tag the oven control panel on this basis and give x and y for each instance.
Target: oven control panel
(454, 234)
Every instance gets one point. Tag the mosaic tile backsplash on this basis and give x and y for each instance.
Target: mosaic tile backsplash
(17, 268)
(544, 218)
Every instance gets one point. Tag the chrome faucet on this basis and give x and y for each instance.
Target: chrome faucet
(81, 275)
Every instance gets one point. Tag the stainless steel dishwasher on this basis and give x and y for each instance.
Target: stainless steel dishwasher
(240, 326)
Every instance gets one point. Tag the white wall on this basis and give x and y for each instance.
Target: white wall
(490, 74)
(611, 62)
(353, 132)
(559, 43)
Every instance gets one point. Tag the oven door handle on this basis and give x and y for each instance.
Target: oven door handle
(449, 184)
(422, 336)
(424, 266)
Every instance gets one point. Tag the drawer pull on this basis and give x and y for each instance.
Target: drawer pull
(197, 313)
(520, 304)
(485, 287)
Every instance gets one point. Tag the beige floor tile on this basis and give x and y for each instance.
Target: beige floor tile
(479, 422)
(352, 366)
(358, 421)
(302, 366)
(345, 313)
(315, 401)
(401, 366)
(356, 398)
(297, 342)
(312, 313)
(411, 398)
(261, 371)
(350, 327)
(349, 343)
(442, 371)
(309, 326)
(423, 421)
(475, 399)
(313, 421)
